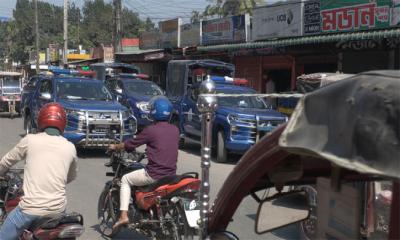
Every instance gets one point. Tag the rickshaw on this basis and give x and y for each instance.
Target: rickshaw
(340, 138)
(10, 92)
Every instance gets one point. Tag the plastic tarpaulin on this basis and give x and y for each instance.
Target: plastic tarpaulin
(354, 123)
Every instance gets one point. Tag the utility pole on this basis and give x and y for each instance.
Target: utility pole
(65, 60)
(117, 25)
(37, 36)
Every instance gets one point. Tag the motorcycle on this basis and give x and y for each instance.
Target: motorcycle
(166, 209)
(57, 226)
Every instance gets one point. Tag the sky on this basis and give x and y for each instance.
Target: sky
(157, 10)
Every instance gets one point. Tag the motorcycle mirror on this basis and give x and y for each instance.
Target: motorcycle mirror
(281, 210)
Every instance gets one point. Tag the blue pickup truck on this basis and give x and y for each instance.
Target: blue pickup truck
(134, 92)
(95, 118)
(239, 121)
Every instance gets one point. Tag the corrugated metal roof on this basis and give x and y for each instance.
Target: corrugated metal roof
(316, 39)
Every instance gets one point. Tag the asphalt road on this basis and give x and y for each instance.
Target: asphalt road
(84, 191)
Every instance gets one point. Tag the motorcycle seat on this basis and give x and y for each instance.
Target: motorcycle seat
(53, 220)
(168, 180)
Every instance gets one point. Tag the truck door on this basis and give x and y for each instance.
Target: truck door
(191, 119)
(43, 95)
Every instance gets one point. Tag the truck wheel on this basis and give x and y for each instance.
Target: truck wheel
(222, 153)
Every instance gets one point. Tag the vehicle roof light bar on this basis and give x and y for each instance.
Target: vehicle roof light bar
(135, 75)
(60, 71)
(230, 80)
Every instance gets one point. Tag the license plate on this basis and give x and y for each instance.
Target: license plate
(100, 128)
(192, 212)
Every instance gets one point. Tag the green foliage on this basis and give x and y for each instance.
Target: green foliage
(89, 27)
(223, 8)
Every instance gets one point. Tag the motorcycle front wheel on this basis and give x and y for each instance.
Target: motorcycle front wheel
(107, 213)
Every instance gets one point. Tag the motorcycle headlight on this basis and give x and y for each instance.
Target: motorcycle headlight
(76, 113)
(143, 106)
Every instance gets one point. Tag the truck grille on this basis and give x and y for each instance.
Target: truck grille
(253, 128)
(101, 128)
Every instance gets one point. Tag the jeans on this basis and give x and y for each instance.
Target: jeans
(15, 224)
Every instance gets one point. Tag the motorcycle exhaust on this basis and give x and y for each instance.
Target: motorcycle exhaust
(72, 231)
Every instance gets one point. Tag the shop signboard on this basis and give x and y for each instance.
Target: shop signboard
(278, 20)
(190, 35)
(232, 29)
(54, 55)
(170, 33)
(149, 40)
(355, 15)
(311, 17)
(395, 13)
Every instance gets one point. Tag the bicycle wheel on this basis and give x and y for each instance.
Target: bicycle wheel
(107, 212)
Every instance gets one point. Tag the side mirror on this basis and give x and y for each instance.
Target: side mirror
(45, 96)
(281, 210)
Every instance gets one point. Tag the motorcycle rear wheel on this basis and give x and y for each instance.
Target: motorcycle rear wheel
(184, 231)
(107, 213)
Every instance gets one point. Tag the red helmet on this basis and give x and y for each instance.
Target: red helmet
(52, 115)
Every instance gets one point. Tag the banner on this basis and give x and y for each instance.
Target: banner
(311, 17)
(225, 30)
(354, 15)
(54, 55)
(278, 20)
(149, 40)
(190, 35)
(170, 33)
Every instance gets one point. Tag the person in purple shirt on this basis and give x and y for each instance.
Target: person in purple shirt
(162, 140)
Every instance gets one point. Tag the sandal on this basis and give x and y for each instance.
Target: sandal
(118, 225)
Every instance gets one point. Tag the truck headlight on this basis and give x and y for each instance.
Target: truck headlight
(143, 106)
(76, 113)
(232, 118)
(126, 114)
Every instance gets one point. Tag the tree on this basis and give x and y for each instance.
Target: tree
(130, 23)
(223, 8)
(148, 24)
(196, 17)
(97, 23)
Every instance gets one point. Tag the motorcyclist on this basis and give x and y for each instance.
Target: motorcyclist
(50, 163)
(161, 139)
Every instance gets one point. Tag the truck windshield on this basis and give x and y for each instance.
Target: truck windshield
(83, 90)
(241, 101)
(143, 88)
(10, 85)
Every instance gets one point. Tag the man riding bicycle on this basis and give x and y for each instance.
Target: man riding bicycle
(161, 139)
(50, 163)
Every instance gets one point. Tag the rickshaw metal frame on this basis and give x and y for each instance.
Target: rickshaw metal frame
(5, 97)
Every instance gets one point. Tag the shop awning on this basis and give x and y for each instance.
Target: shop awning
(139, 51)
(316, 39)
(141, 55)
